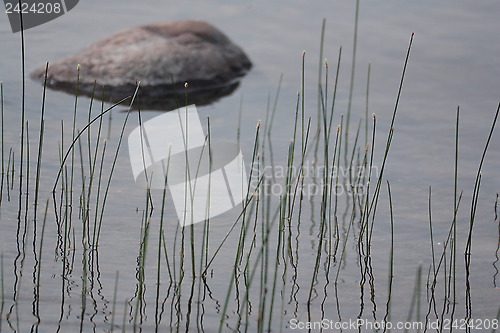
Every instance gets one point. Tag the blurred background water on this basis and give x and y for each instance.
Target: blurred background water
(454, 62)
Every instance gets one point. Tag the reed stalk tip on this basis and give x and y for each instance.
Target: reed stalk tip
(304, 53)
(374, 116)
(338, 128)
(326, 63)
(186, 85)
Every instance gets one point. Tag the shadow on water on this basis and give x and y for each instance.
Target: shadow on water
(158, 98)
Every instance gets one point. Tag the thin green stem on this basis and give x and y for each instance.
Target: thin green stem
(351, 85)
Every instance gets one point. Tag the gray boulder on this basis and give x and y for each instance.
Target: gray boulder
(162, 56)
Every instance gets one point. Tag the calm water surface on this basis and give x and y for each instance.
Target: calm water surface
(454, 62)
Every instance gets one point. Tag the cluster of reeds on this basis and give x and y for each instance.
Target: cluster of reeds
(284, 256)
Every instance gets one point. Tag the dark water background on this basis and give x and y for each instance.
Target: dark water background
(454, 61)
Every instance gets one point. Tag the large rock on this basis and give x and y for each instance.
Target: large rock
(162, 56)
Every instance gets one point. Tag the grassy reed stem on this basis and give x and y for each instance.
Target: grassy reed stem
(476, 185)
(241, 236)
(40, 145)
(303, 89)
(10, 171)
(455, 208)
(23, 115)
(387, 317)
(373, 205)
(141, 274)
(366, 103)
(28, 168)
(97, 225)
(275, 106)
(3, 142)
(2, 289)
(238, 131)
(431, 232)
(320, 73)
(351, 85)
(70, 180)
(92, 157)
(70, 148)
(40, 252)
(206, 229)
(160, 241)
(334, 98)
(475, 198)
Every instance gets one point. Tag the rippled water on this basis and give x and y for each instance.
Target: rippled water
(453, 62)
